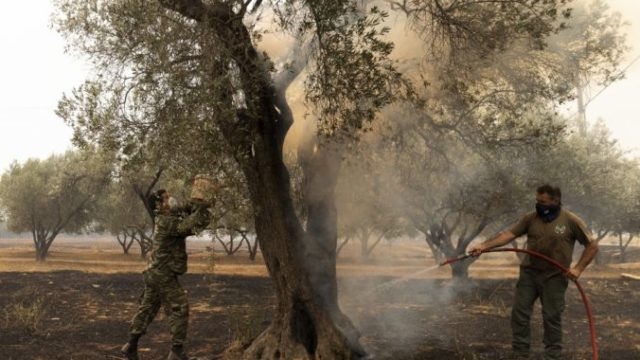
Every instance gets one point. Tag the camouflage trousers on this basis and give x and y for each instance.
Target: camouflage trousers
(161, 287)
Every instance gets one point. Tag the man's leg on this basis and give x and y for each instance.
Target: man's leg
(552, 299)
(149, 306)
(525, 296)
(175, 299)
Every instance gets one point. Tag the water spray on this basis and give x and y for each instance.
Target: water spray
(585, 301)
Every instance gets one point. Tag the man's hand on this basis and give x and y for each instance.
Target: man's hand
(477, 250)
(574, 273)
(502, 238)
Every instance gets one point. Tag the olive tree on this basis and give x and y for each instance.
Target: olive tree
(52, 196)
(591, 50)
(121, 214)
(364, 200)
(596, 177)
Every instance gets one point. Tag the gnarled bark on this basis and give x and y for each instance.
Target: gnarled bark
(305, 324)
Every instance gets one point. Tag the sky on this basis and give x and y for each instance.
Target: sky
(35, 71)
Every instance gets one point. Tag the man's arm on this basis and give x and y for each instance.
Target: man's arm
(587, 256)
(195, 222)
(501, 239)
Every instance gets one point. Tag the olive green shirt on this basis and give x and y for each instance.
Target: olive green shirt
(555, 239)
(169, 250)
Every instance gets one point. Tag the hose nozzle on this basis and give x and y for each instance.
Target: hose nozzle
(457, 258)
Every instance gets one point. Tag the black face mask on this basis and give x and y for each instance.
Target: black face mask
(547, 213)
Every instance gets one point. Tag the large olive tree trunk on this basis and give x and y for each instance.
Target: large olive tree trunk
(307, 322)
(304, 325)
(321, 165)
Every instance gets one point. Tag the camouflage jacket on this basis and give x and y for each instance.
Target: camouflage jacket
(169, 242)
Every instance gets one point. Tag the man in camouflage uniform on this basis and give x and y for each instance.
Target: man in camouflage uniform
(551, 231)
(168, 260)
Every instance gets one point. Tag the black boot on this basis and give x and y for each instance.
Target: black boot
(178, 353)
(130, 349)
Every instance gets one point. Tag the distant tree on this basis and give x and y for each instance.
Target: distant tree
(474, 197)
(590, 50)
(48, 197)
(143, 180)
(365, 204)
(3, 229)
(141, 177)
(594, 174)
(628, 208)
(232, 215)
(122, 214)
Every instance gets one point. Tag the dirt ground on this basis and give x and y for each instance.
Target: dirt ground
(78, 307)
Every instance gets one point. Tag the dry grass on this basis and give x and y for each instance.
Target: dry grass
(246, 325)
(389, 259)
(26, 315)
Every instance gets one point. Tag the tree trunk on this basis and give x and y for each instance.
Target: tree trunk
(460, 270)
(321, 168)
(364, 245)
(145, 243)
(224, 245)
(365, 236)
(435, 252)
(42, 245)
(303, 324)
(599, 256)
(41, 253)
(125, 242)
(342, 244)
(375, 243)
(253, 250)
(307, 323)
(623, 245)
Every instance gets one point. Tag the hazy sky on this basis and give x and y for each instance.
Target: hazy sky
(35, 71)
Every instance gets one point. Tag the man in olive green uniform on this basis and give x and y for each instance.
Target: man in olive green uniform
(551, 231)
(168, 260)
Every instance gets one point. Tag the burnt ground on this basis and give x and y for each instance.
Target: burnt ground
(77, 315)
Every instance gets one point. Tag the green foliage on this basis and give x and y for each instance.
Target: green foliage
(482, 27)
(352, 76)
(367, 209)
(59, 194)
(600, 183)
(119, 210)
(593, 44)
(149, 101)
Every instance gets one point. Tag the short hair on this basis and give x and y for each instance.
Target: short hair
(550, 190)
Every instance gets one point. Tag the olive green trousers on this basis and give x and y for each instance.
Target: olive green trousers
(550, 288)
